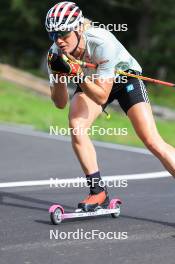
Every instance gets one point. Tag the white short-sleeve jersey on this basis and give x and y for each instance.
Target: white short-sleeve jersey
(105, 50)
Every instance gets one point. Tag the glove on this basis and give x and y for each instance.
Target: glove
(60, 63)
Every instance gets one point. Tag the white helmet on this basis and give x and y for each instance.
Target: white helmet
(64, 16)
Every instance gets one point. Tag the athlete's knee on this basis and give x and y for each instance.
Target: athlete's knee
(77, 127)
(154, 143)
(75, 123)
(150, 143)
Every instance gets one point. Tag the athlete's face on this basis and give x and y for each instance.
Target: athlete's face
(68, 42)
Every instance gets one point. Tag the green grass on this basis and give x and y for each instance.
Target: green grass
(21, 106)
(162, 95)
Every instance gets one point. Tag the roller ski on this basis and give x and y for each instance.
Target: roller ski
(93, 205)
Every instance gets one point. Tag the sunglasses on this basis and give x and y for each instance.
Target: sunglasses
(58, 34)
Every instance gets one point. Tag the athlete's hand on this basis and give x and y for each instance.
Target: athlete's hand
(75, 68)
(56, 62)
(60, 63)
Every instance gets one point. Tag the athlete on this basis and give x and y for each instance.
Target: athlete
(75, 38)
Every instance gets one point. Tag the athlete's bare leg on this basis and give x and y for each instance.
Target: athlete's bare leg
(83, 112)
(143, 122)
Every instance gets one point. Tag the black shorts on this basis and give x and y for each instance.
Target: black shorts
(128, 94)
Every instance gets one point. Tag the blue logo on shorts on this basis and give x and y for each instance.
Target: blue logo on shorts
(129, 88)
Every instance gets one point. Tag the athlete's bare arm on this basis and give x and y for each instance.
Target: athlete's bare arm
(99, 90)
(59, 94)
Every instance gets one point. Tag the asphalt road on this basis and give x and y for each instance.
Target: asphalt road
(147, 215)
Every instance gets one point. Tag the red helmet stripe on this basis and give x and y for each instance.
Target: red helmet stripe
(66, 14)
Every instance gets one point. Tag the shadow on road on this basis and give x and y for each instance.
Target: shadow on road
(47, 204)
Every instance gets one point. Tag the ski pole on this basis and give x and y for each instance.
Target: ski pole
(146, 78)
(91, 65)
